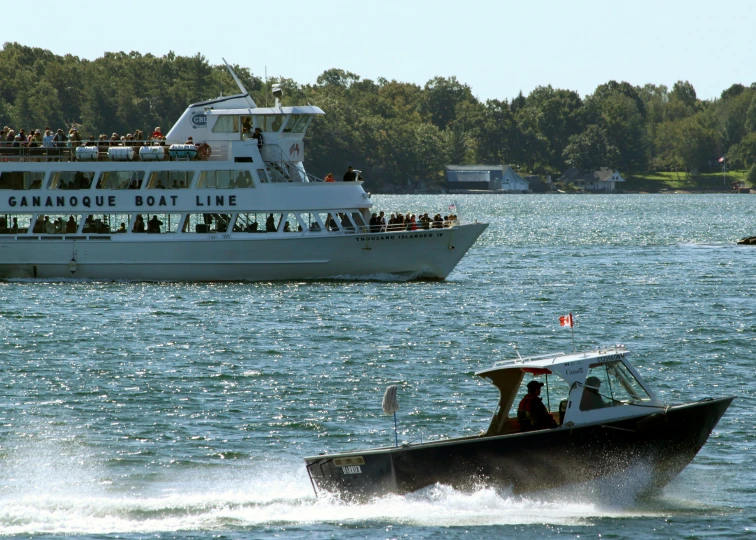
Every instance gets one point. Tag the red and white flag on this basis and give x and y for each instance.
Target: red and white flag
(567, 320)
(721, 160)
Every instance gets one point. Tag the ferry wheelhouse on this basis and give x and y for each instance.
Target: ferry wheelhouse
(209, 203)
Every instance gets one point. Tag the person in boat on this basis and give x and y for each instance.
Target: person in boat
(329, 178)
(14, 227)
(153, 225)
(591, 399)
(71, 225)
(157, 135)
(122, 228)
(531, 412)
(259, 136)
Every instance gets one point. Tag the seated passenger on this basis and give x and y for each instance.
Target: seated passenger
(591, 398)
(71, 225)
(122, 228)
(286, 227)
(531, 412)
(14, 227)
(329, 178)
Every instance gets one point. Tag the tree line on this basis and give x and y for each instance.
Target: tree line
(401, 135)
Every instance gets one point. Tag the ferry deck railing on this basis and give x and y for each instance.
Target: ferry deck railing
(25, 153)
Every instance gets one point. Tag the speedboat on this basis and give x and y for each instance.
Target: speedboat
(603, 419)
(224, 195)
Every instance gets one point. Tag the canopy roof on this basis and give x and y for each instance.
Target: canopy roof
(299, 109)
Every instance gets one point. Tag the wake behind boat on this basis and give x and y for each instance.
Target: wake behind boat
(606, 421)
(223, 196)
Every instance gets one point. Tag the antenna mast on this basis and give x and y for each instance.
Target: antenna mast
(240, 85)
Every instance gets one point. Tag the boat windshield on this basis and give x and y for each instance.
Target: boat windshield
(617, 384)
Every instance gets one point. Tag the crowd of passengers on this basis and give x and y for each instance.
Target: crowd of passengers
(409, 222)
(59, 139)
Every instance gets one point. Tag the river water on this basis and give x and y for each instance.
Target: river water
(132, 410)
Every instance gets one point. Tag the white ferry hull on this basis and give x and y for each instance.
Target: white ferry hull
(427, 254)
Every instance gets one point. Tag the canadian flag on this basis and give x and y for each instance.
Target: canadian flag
(567, 320)
(721, 160)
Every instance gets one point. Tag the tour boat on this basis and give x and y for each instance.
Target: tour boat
(212, 201)
(604, 420)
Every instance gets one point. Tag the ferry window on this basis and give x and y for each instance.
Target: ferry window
(359, 222)
(253, 222)
(262, 175)
(246, 127)
(270, 122)
(170, 180)
(207, 223)
(71, 180)
(346, 225)
(328, 221)
(156, 223)
(312, 222)
(56, 224)
(297, 123)
(21, 180)
(224, 180)
(106, 223)
(291, 223)
(226, 124)
(14, 223)
(120, 180)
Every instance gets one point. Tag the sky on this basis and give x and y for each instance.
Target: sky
(498, 48)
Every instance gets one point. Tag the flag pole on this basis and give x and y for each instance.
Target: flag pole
(572, 329)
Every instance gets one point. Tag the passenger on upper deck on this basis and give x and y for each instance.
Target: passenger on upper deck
(60, 139)
(157, 135)
(329, 178)
(259, 136)
(351, 175)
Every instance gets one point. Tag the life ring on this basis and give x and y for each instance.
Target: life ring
(204, 150)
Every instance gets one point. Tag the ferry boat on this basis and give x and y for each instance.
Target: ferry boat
(225, 196)
(600, 419)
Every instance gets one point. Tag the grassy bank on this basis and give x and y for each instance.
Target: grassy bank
(662, 181)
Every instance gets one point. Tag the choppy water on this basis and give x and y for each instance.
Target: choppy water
(183, 411)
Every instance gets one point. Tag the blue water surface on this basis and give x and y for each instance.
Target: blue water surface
(135, 410)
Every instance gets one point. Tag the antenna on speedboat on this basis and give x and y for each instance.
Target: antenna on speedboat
(390, 406)
(240, 85)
